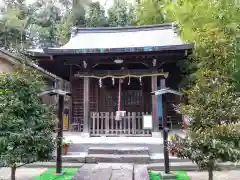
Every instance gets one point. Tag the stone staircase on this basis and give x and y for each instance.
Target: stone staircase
(123, 154)
(136, 155)
(139, 156)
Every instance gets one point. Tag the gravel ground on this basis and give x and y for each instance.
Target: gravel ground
(21, 174)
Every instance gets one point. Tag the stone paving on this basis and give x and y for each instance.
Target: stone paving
(118, 172)
(223, 175)
(22, 173)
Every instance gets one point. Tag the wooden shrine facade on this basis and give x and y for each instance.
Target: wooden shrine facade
(103, 104)
(143, 59)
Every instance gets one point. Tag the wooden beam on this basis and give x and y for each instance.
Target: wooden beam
(126, 60)
(119, 72)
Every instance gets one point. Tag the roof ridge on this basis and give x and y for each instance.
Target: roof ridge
(76, 30)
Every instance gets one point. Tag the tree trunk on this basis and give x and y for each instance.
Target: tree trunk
(210, 174)
(13, 173)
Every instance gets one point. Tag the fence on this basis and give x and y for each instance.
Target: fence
(104, 124)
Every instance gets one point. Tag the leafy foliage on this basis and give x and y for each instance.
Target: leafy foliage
(213, 135)
(207, 148)
(150, 12)
(96, 16)
(121, 13)
(13, 23)
(48, 23)
(212, 101)
(26, 124)
(213, 26)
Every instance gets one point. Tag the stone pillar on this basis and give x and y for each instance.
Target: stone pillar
(155, 106)
(86, 106)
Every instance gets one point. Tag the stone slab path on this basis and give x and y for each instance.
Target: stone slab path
(21, 173)
(105, 171)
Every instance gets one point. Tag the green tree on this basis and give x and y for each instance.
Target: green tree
(63, 28)
(14, 21)
(45, 15)
(26, 125)
(79, 12)
(212, 102)
(212, 134)
(95, 16)
(213, 26)
(73, 15)
(150, 12)
(121, 14)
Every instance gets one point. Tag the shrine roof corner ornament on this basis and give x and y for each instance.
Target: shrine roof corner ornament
(119, 40)
(166, 91)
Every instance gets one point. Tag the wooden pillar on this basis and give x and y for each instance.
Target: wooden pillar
(155, 106)
(164, 113)
(86, 105)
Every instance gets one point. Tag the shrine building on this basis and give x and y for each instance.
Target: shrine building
(115, 70)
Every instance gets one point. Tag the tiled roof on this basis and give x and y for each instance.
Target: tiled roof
(122, 39)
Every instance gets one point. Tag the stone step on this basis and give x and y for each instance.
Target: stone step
(189, 166)
(53, 165)
(80, 157)
(83, 147)
(186, 166)
(72, 157)
(123, 158)
(119, 150)
(159, 158)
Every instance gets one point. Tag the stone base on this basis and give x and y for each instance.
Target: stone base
(168, 176)
(59, 174)
(156, 134)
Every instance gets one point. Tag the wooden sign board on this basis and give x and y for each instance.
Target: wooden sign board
(147, 122)
(66, 120)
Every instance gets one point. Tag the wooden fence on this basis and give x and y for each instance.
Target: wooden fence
(104, 124)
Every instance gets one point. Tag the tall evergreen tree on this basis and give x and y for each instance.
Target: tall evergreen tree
(96, 16)
(121, 13)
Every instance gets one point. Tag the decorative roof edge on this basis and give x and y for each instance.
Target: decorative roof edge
(59, 51)
(166, 91)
